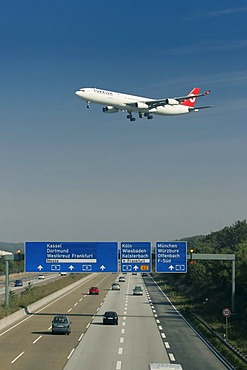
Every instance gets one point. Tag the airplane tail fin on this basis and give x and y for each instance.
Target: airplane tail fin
(190, 102)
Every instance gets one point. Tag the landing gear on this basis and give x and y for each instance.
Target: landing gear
(148, 115)
(88, 104)
(141, 115)
(130, 117)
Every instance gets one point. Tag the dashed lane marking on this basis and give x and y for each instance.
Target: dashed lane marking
(120, 350)
(36, 340)
(172, 358)
(80, 338)
(119, 365)
(15, 359)
(71, 353)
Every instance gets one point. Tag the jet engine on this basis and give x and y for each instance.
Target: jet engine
(141, 105)
(172, 101)
(109, 109)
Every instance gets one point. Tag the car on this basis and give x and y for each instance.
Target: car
(134, 273)
(94, 290)
(61, 324)
(40, 277)
(115, 286)
(63, 273)
(110, 317)
(137, 290)
(18, 283)
(121, 279)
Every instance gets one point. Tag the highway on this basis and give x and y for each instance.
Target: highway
(26, 279)
(149, 330)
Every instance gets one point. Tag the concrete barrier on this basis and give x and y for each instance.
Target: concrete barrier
(32, 308)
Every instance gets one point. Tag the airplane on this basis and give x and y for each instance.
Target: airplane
(145, 107)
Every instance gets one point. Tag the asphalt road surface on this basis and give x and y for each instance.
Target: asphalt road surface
(150, 330)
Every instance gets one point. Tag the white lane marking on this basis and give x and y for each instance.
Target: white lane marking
(80, 338)
(71, 353)
(124, 318)
(172, 358)
(43, 308)
(120, 350)
(49, 328)
(121, 339)
(85, 295)
(80, 299)
(123, 323)
(160, 327)
(119, 365)
(163, 335)
(70, 310)
(122, 331)
(88, 325)
(36, 340)
(76, 304)
(15, 359)
(167, 345)
(125, 312)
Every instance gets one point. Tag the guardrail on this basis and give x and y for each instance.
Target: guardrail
(235, 351)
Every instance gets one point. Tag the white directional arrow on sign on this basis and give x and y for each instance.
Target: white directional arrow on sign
(40, 267)
(102, 268)
(71, 267)
(136, 268)
(171, 268)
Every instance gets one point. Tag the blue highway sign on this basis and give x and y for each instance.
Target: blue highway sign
(171, 257)
(71, 257)
(135, 257)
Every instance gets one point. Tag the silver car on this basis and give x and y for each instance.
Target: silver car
(61, 324)
(115, 286)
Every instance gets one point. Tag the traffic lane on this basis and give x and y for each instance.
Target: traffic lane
(143, 343)
(77, 304)
(98, 348)
(27, 280)
(183, 345)
(133, 344)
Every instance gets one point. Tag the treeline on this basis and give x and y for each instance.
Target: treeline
(208, 283)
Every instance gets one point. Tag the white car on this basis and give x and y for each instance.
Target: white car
(115, 286)
(41, 276)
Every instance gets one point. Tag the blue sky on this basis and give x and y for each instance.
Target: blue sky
(74, 174)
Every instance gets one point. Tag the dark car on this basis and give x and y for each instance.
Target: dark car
(94, 290)
(137, 290)
(110, 317)
(61, 324)
(18, 283)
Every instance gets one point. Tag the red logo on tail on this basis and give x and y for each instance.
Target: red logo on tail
(190, 102)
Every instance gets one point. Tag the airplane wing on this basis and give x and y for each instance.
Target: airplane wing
(171, 101)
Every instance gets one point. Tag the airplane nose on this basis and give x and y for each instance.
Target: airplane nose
(78, 93)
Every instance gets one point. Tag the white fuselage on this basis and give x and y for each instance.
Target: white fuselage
(126, 102)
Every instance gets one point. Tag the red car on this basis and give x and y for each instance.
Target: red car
(94, 290)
